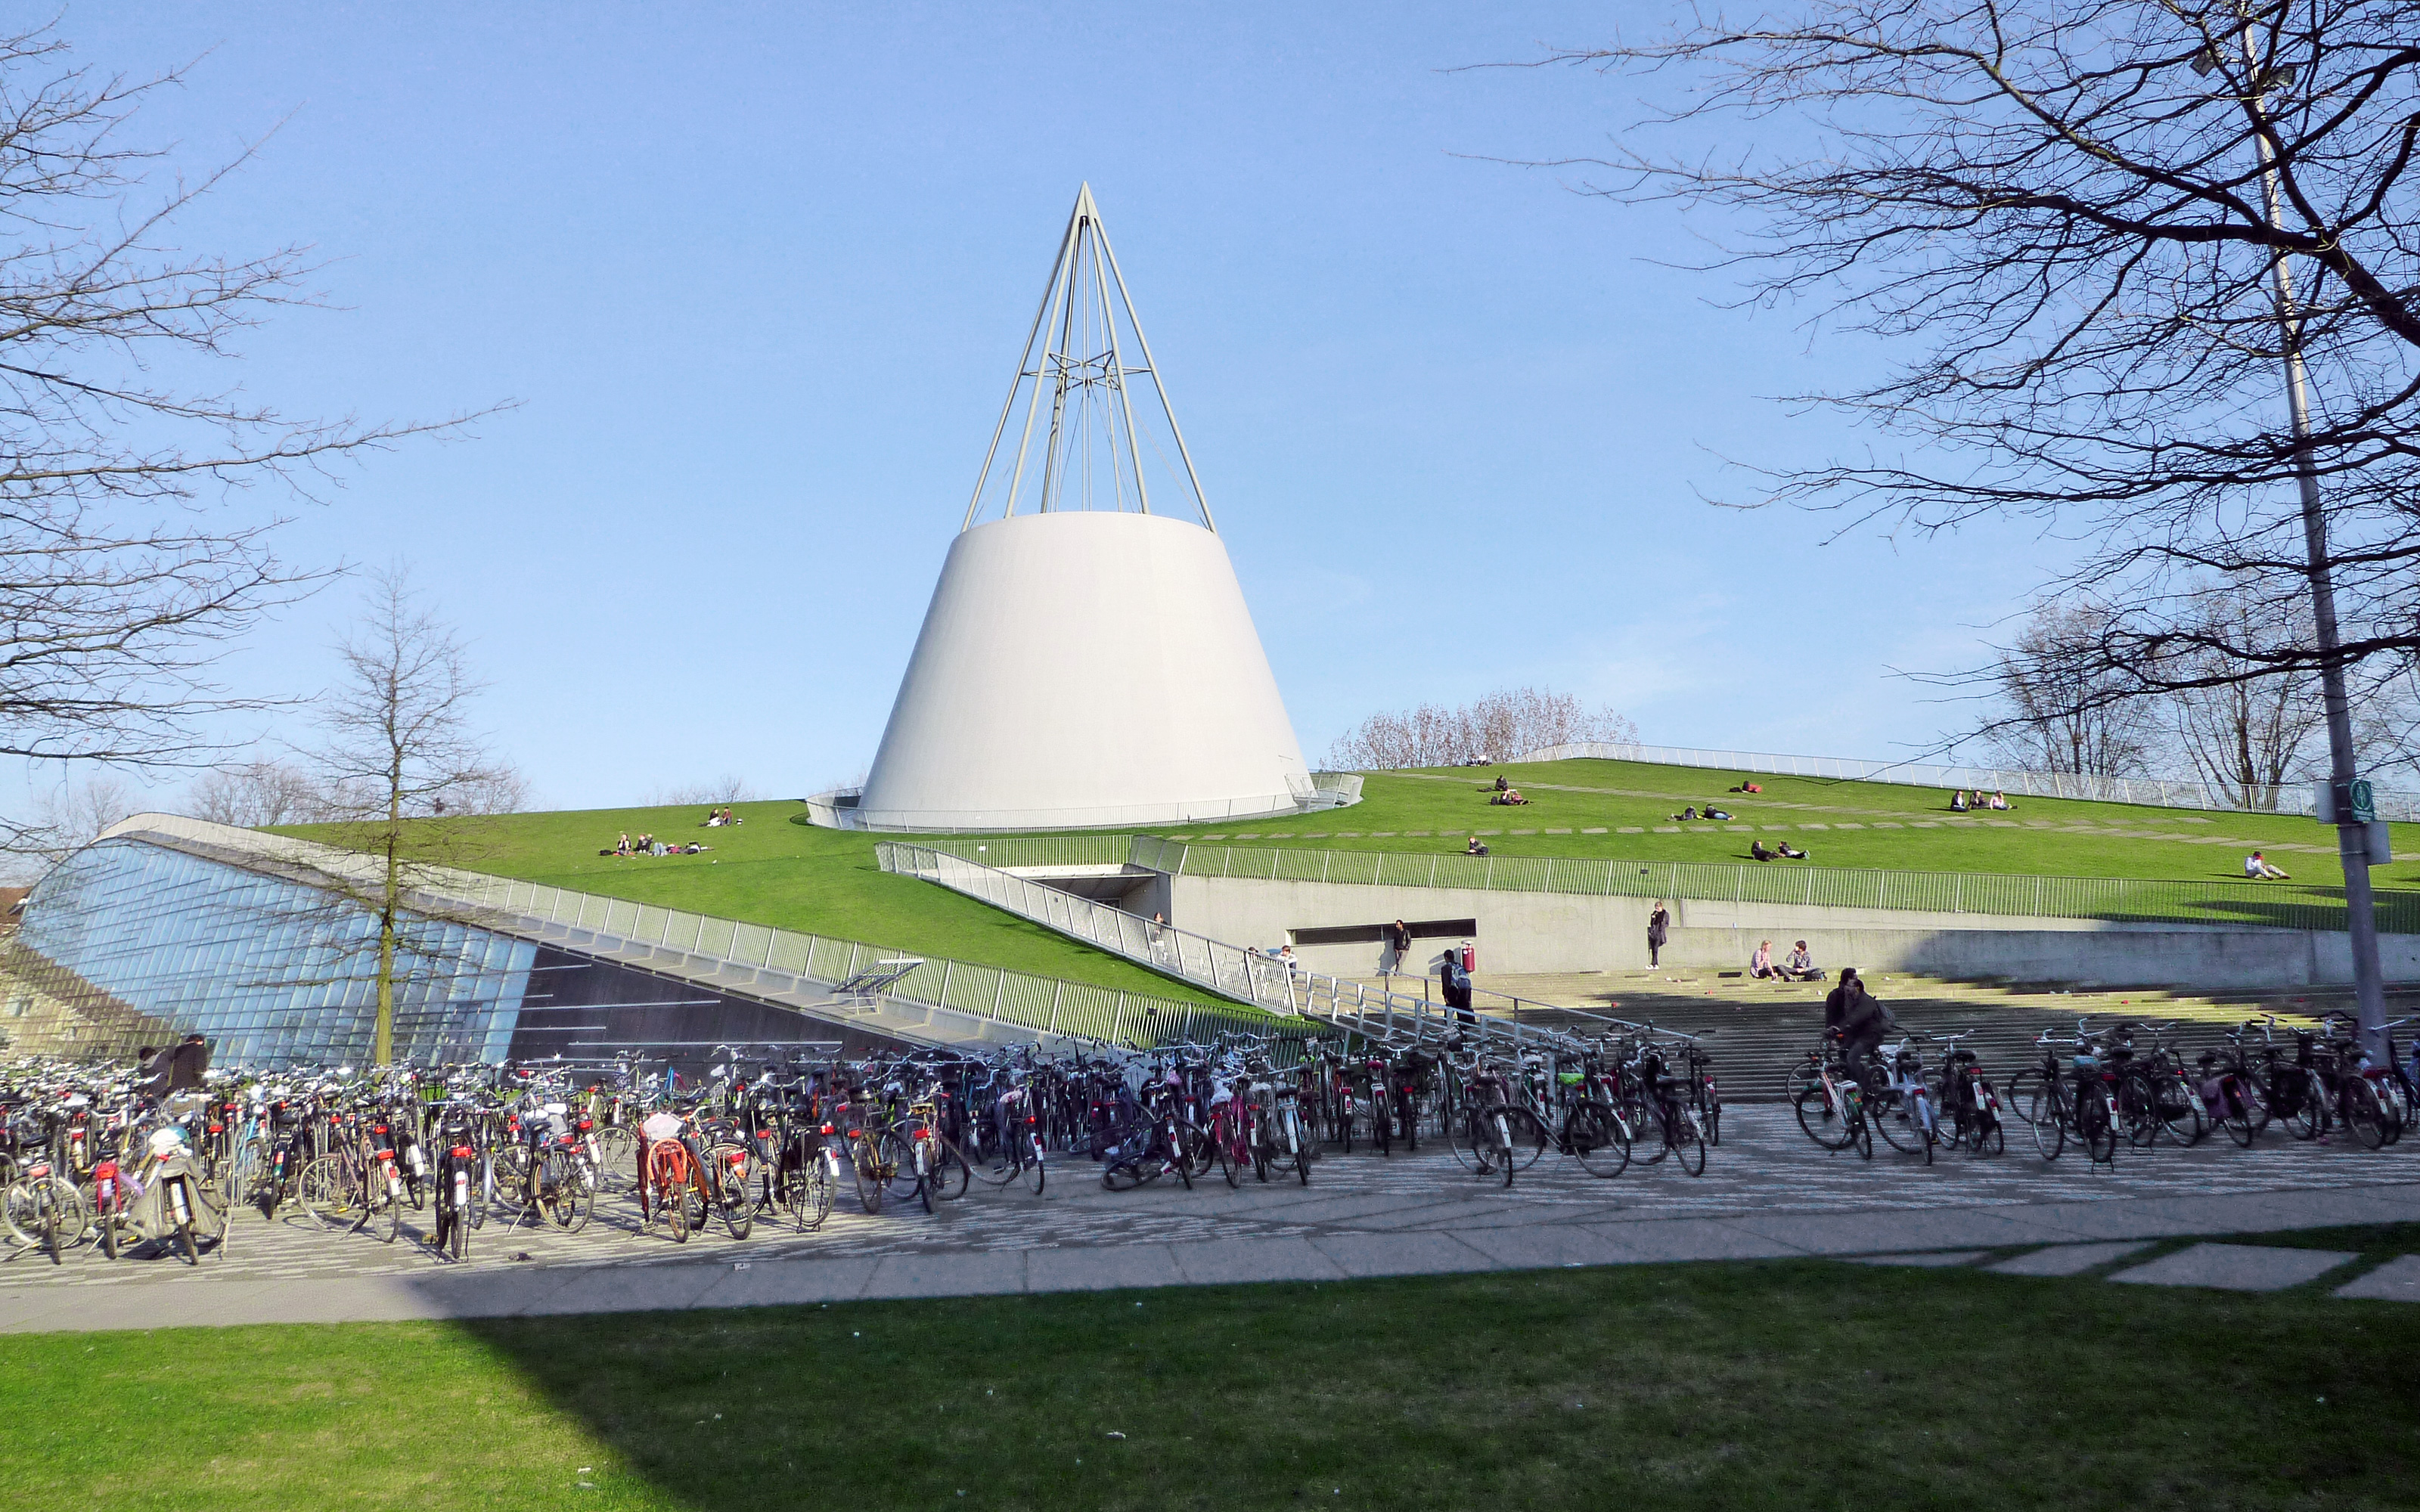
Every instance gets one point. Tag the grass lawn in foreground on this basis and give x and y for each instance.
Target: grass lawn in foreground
(1758, 1385)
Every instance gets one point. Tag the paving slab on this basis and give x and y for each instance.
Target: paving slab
(1542, 1246)
(1931, 1260)
(790, 1283)
(961, 1274)
(2068, 1259)
(1101, 1269)
(1401, 1254)
(1211, 1261)
(2397, 1280)
(627, 1289)
(2237, 1267)
(1694, 1239)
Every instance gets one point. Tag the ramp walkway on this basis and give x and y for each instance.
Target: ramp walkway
(1242, 973)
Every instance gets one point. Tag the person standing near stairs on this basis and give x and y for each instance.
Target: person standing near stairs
(1659, 929)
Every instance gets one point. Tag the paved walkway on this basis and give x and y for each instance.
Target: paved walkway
(1766, 1193)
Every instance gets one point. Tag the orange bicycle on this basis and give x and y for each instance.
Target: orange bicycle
(670, 1189)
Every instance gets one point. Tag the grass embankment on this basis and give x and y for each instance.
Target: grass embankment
(772, 871)
(1773, 1384)
(2050, 837)
(768, 871)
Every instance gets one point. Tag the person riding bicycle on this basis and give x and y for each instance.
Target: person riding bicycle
(1858, 1021)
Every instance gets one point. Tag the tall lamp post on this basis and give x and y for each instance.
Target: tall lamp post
(2353, 837)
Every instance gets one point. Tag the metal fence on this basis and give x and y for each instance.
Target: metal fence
(1232, 970)
(2294, 798)
(2270, 905)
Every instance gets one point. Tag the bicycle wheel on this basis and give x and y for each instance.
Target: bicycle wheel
(2300, 1101)
(509, 1183)
(1861, 1131)
(950, 1171)
(812, 1189)
(1597, 1139)
(2045, 1111)
(1497, 1127)
(1821, 1121)
(617, 1156)
(1474, 1143)
(482, 1179)
(867, 1170)
(894, 1160)
(727, 1177)
(569, 1191)
(384, 1215)
(1687, 1140)
(2096, 1123)
(106, 1220)
(681, 1210)
(1529, 1136)
(2362, 1114)
(1034, 1175)
(1895, 1113)
(330, 1192)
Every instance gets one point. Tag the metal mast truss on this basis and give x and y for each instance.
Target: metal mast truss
(1078, 446)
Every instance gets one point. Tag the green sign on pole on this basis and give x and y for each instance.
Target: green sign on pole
(2364, 808)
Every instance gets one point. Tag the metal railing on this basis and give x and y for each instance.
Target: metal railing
(1240, 972)
(2125, 900)
(2160, 793)
(778, 959)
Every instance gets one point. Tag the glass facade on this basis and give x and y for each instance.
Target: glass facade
(270, 971)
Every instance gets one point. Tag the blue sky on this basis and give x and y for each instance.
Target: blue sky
(755, 279)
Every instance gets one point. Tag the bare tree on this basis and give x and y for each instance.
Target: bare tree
(120, 580)
(258, 795)
(728, 788)
(2057, 212)
(2052, 718)
(2149, 269)
(402, 752)
(1498, 727)
(2248, 730)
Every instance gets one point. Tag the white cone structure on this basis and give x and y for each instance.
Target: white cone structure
(1088, 662)
(1079, 670)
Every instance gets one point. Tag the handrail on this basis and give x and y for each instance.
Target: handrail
(2128, 900)
(2158, 793)
(1234, 971)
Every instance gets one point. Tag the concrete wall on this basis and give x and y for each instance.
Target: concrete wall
(1551, 931)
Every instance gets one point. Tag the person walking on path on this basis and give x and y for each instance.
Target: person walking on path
(1457, 987)
(1399, 947)
(1659, 929)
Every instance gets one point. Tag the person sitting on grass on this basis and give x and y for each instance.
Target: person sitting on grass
(1958, 801)
(1791, 853)
(1475, 847)
(2256, 866)
(1757, 852)
(1799, 965)
(622, 846)
(1760, 965)
(1503, 783)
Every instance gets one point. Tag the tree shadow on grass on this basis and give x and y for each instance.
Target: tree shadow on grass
(1754, 1384)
